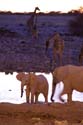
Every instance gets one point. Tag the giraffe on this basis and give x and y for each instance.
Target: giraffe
(32, 21)
(58, 46)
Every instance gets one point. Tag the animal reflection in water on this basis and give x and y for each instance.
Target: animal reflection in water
(58, 46)
(35, 84)
(72, 78)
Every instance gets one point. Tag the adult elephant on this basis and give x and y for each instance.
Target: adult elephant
(35, 84)
(72, 78)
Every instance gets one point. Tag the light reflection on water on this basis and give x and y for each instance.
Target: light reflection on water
(10, 90)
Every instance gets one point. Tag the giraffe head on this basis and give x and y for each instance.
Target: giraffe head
(37, 8)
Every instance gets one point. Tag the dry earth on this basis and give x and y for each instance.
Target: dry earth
(41, 114)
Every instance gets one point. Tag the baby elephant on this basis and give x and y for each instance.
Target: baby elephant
(35, 84)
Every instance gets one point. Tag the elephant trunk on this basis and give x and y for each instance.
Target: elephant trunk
(53, 87)
(21, 93)
(21, 90)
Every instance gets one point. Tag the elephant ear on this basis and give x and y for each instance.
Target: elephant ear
(20, 76)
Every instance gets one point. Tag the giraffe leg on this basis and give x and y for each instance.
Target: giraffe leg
(60, 58)
(54, 54)
(34, 32)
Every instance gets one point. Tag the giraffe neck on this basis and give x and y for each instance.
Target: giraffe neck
(35, 11)
(33, 14)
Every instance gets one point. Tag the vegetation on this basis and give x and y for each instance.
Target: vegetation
(76, 25)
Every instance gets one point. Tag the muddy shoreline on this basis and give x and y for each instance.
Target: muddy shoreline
(72, 113)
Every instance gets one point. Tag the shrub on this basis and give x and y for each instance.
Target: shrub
(76, 25)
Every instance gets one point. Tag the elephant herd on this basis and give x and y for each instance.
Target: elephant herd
(70, 75)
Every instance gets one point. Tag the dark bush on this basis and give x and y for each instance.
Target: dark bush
(76, 25)
(7, 32)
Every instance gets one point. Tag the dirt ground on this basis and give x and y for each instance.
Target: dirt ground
(41, 114)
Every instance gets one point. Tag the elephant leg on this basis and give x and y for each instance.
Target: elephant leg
(36, 97)
(67, 91)
(46, 98)
(27, 99)
(27, 95)
(61, 99)
(32, 97)
(61, 94)
(69, 100)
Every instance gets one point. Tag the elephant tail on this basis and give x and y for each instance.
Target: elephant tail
(53, 88)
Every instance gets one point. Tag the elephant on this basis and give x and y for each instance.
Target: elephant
(72, 78)
(35, 84)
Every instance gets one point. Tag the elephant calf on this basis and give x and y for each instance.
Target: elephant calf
(35, 84)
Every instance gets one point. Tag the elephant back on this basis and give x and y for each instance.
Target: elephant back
(42, 84)
(63, 72)
(42, 80)
(38, 81)
(60, 73)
